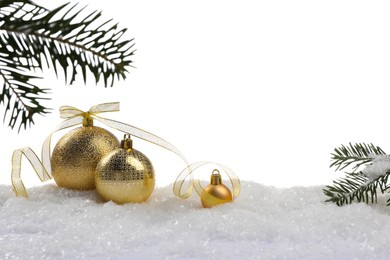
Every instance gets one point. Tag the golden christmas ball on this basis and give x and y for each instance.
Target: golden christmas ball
(216, 193)
(77, 153)
(125, 175)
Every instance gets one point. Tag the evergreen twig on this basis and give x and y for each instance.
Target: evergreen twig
(355, 186)
(356, 155)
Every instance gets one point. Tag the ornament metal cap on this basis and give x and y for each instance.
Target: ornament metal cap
(127, 143)
(216, 178)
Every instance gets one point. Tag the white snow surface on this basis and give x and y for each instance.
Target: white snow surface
(263, 223)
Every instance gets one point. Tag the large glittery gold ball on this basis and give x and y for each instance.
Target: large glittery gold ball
(76, 155)
(125, 175)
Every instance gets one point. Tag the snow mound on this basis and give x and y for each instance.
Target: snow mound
(264, 222)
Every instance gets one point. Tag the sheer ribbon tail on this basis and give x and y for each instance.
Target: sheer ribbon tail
(38, 167)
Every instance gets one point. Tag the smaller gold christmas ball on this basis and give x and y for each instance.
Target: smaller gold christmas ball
(125, 175)
(216, 193)
(76, 155)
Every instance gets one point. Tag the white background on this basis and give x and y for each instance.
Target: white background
(268, 88)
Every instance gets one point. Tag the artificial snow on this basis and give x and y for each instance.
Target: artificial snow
(263, 223)
(378, 166)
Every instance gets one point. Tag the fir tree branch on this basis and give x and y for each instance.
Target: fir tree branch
(65, 39)
(356, 187)
(354, 155)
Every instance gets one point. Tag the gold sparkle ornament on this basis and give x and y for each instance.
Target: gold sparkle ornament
(216, 192)
(77, 153)
(125, 175)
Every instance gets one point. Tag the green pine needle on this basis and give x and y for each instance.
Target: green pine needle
(32, 37)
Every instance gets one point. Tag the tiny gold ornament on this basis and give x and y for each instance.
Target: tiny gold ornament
(77, 153)
(125, 175)
(215, 193)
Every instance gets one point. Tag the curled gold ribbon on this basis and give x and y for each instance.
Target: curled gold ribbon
(73, 117)
(40, 170)
(178, 186)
